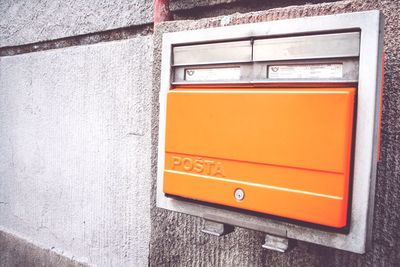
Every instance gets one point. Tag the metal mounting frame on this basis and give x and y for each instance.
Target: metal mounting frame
(370, 23)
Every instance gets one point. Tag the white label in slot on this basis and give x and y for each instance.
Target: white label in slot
(213, 74)
(311, 71)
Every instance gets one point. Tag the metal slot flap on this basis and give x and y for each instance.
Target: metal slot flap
(228, 52)
(308, 47)
(329, 70)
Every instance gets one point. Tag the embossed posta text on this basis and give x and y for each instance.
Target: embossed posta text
(198, 165)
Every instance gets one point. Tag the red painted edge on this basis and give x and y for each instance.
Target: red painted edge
(381, 97)
(161, 11)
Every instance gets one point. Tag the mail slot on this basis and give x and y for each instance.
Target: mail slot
(266, 126)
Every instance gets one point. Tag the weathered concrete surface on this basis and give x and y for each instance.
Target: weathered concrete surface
(25, 21)
(190, 4)
(15, 251)
(86, 39)
(192, 9)
(75, 150)
(176, 238)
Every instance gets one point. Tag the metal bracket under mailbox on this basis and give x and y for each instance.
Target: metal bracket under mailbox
(276, 243)
(275, 238)
(272, 242)
(216, 228)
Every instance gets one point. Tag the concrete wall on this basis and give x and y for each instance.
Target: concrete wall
(15, 251)
(24, 21)
(75, 150)
(78, 135)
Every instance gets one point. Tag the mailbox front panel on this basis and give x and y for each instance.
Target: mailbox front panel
(288, 150)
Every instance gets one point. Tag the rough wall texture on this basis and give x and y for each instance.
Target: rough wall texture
(190, 4)
(25, 21)
(176, 238)
(192, 9)
(75, 150)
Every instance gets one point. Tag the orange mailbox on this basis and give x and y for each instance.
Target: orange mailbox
(273, 126)
(284, 152)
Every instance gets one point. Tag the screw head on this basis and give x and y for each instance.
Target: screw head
(239, 194)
